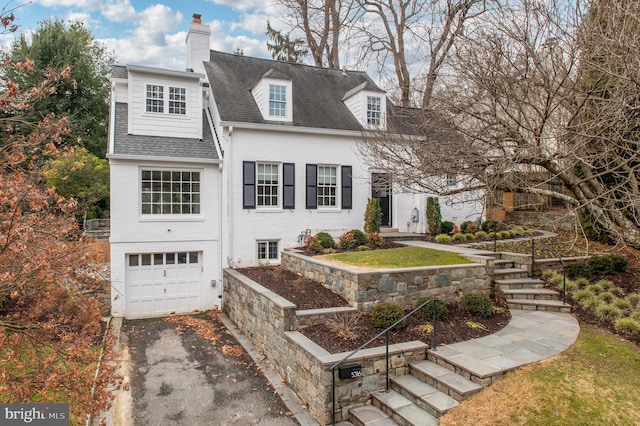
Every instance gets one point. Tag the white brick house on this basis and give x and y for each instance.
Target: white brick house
(227, 163)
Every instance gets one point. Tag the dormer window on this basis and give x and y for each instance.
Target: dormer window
(374, 110)
(277, 100)
(273, 94)
(176, 96)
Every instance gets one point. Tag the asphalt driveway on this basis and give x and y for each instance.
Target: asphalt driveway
(191, 370)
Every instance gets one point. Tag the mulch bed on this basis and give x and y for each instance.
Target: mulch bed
(309, 294)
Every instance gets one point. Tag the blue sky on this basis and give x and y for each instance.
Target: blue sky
(152, 33)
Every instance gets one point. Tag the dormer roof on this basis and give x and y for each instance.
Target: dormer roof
(317, 92)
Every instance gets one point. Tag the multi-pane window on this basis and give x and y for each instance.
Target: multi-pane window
(267, 250)
(373, 110)
(452, 179)
(170, 192)
(147, 259)
(155, 98)
(327, 186)
(277, 100)
(177, 100)
(267, 184)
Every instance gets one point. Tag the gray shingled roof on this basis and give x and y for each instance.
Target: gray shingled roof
(317, 92)
(156, 146)
(119, 71)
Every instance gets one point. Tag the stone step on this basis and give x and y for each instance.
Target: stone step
(539, 305)
(519, 283)
(503, 264)
(402, 410)
(423, 395)
(531, 293)
(509, 273)
(445, 380)
(385, 230)
(368, 415)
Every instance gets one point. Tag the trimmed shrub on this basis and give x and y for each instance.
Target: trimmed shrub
(504, 234)
(326, 240)
(480, 235)
(486, 226)
(492, 235)
(469, 237)
(578, 269)
(607, 312)
(434, 217)
(620, 262)
(628, 325)
(476, 304)
(458, 237)
(426, 313)
(468, 227)
(372, 216)
(314, 245)
(548, 274)
(601, 265)
(528, 233)
(446, 227)
(375, 239)
(359, 237)
(443, 238)
(385, 314)
(347, 241)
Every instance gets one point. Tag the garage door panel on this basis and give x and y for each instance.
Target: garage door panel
(164, 283)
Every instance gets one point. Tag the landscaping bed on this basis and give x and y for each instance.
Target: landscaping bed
(309, 294)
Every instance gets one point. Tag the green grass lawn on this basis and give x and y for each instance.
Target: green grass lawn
(595, 382)
(404, 257)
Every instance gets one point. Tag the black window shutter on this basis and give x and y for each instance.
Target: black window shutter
(289, 181)
(347, 189)
(248, 185)
(312, 186)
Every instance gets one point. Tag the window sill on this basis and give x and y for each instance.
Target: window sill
(166, 115)
(329, 210)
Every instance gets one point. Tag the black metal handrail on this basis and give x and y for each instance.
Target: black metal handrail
(385, 331)
(562, 262)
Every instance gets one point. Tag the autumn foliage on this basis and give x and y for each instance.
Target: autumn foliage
(50, 318)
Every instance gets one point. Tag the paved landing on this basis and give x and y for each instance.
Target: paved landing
(530, 336)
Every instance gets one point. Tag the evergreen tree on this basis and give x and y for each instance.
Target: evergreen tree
(284, 49)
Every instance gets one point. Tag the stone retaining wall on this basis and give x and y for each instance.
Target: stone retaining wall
(550, 221)
(365, 289)
(270, 321)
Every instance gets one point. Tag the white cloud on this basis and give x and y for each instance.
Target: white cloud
(252, 23)
(80, 4)
(119, 11)
(85, 18)
(242, 5)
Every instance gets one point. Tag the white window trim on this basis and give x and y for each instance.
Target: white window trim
(338, 185)
(165, 101)
(278, 205)
(261, 96)
(159, 217)
(268, 242)
(379, 112)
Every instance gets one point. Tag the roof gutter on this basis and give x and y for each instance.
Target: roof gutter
(164, 159)
(290, 129)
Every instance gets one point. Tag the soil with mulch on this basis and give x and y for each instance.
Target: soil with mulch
(309, 294)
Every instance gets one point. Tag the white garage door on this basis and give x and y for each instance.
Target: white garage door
(163, 283)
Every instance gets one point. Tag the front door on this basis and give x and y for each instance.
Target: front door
(381, 190)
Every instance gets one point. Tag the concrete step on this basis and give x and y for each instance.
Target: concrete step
(368, 415)
(402, 410)
(509, 273)
(531, 293)
(519, 283)
(445, 380)
(386, 230)
(423, 395)
(539, 305)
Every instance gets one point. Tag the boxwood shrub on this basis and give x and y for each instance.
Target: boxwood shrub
(477, 304)
(385, 314)
(426, 312)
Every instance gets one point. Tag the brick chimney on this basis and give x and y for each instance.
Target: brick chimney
(198, 47)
